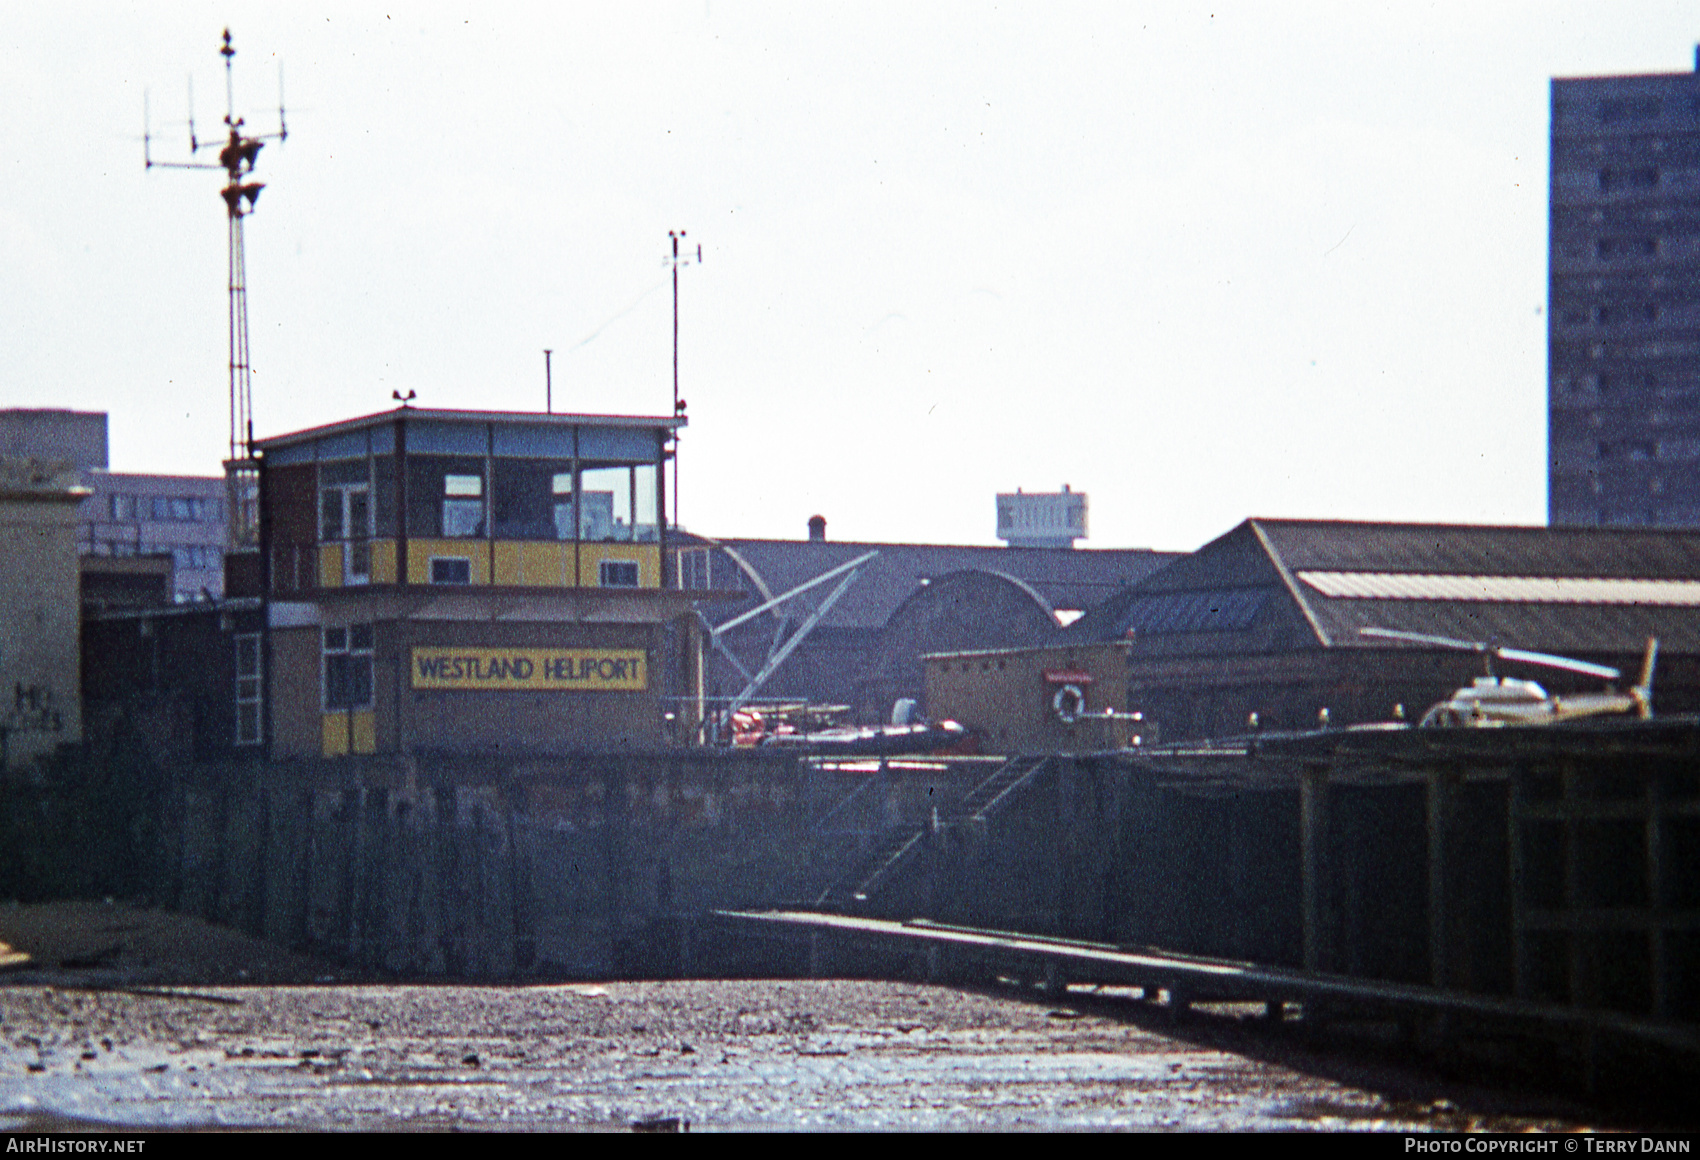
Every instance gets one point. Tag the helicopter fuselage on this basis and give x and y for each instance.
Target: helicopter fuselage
(1495, 701)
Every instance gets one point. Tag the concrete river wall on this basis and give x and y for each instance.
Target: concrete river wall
(579, 866)
(1559, 866)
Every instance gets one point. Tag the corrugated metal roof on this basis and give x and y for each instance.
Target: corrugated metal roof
(1225, 610)
(1480, 550)
(1585, 630)
(1502, 589)
(1574, 591)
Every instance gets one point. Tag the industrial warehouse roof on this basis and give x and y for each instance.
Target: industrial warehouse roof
(1501, 589)
(1065, 578)
(1575, 590)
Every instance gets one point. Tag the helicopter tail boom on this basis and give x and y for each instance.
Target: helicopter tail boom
(1643, 690)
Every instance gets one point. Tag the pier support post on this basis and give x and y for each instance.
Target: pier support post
(1441, 792)
(1313, 869)
(1658, 967)
(1521, 985)
(1582, 977)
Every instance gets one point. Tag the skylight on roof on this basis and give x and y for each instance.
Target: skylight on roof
(1502, 589)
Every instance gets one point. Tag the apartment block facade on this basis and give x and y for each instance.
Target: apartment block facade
(1623, 368)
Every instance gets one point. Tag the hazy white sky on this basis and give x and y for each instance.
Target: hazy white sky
(1200, 261)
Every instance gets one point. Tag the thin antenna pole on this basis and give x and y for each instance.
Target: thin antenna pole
(678, 403)
(548, 384)
(675, 237)
(229, 54)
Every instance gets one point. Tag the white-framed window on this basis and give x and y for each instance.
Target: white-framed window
(248, 683)
(617, 573)
(348, 667)
(696, 568)
(345, 514)
(463, 505)
(618, 503)
(451, 570)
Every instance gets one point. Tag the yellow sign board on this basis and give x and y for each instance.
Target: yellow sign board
(481, 667)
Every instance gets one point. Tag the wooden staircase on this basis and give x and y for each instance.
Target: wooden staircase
(903, 844)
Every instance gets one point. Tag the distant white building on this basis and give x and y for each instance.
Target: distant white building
(1042, 519)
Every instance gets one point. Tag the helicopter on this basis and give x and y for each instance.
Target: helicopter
(1494, 700)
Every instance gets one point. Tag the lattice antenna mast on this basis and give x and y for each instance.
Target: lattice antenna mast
(237, 155)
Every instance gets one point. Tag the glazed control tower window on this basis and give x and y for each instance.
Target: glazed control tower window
(618, 503)
(534, 499)
(348, 667)
(445, 496)
(345, 513)
(561, 488)
(463, 505)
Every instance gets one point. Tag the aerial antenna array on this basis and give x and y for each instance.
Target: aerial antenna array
(237, 154)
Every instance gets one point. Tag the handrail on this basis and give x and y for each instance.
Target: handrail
(819, 826)
(983, 812)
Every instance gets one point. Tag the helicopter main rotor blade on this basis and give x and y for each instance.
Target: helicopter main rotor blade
(1605, 672)
(1475, 646)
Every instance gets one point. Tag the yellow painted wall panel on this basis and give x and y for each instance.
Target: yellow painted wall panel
(548, 565)
(532, 564)
(345, 732)
(419, 553)
(334, 727)
(383, 562)
(527, 564)
(365, 729)
(330, 565)
(510, 562)
(648, 557)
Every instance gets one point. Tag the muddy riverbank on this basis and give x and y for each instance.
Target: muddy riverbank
(134, 1017)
